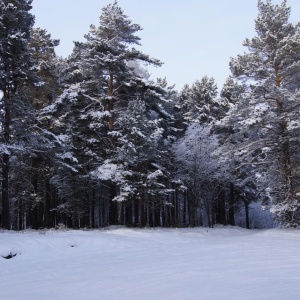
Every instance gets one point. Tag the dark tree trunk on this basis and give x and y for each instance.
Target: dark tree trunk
(110, 101)
(147, 212)
(184, 220)
(113, 211)
(6, 222)
(220, 210)
(176, 208)
(140, 212)
(47, 207)
(35, 212)
(133, 212)
(191, 210)
(247, 214)
(231, 219)
(5, 196)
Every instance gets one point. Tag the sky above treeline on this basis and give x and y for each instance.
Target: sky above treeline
(193, 38)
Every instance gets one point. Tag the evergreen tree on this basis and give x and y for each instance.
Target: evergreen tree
(108, 47)
(42, 48)
(15, 70)
(267, 113)
(114, 120)
(199, 101)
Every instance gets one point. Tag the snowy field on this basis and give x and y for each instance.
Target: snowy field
(158, 264)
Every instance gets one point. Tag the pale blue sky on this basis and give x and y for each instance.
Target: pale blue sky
(192, 37)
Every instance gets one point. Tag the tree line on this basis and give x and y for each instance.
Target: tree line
(91, 140)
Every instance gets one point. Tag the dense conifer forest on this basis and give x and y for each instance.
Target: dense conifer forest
(92, 140)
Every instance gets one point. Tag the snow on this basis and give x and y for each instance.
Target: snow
(110, 171)
(154, 175)
(107, 171)
(67, 155)
(119, 263)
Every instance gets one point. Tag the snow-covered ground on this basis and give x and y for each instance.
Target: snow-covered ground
(161, 264)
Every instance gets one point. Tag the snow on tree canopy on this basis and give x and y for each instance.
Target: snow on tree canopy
(109, 171)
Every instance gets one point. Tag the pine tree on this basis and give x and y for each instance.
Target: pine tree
(108, 47)
(16, 66)
(267, 113)
(42, 49)
(199, 101)
(108, 108)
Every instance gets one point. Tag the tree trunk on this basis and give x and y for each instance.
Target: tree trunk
(176, 206)
(247, 214)
(47, 213)
(184, 220)
(161, 221)
(6, 222)
(147, 213)
(231, 205)
(113, 211)
(5, 196)
(286, 142)
(133, 210)
(35, 217)
(140, 211)
(220, 209)
(110, 101)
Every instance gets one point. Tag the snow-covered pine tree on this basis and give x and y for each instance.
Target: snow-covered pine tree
(226, 133)
(103, 85)
(16, 68)
(41, 142)
(145, 131)
(199, 101)
(109, 47)
(268, 112)
(42, 48)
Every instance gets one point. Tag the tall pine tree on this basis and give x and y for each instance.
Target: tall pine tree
(268, 111)
(15, 70)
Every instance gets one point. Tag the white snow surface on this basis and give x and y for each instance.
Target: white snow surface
(161, 264)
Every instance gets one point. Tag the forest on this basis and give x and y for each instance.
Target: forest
(91, 140)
